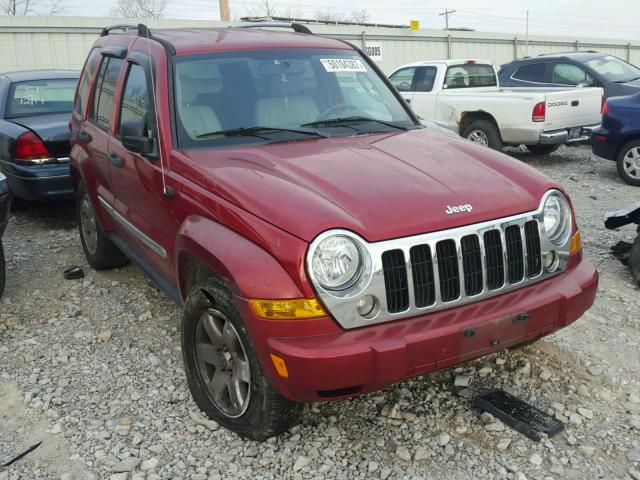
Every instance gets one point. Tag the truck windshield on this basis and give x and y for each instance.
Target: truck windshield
(614, 69)
(268, 96)
(41, 97)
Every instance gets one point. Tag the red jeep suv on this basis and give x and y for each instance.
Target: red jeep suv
(323, 242)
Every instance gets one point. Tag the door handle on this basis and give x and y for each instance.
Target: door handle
(575, 103)
(84, 136)
(116, 160)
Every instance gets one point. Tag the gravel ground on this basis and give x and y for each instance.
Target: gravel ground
(93, 369)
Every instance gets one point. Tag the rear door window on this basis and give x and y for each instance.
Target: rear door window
(102, 106)
(403, 79)
(536, 72)
(41, 97)
(569, 74)
(85, 81)
(470, 75)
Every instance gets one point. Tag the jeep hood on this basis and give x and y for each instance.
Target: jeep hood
(380, 186)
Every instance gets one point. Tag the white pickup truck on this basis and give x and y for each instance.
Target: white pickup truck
(464, 96)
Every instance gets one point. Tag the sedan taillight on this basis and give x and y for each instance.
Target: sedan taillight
(30, 149)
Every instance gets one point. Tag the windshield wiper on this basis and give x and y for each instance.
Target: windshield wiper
(259, 132)
(345, 121)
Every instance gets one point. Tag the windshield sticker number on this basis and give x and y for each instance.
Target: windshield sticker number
(31, 97)
(342, 65)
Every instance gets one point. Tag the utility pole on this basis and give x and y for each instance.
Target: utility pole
(446, 14)
(225, 15)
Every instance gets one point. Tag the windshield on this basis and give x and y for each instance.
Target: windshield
(41, 97)
(269, 96)
(614, 69)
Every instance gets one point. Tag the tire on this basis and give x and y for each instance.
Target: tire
(483, 132)
(3, 270)
(100, 252)
(259, 411)
(542, 149)
(628, 162)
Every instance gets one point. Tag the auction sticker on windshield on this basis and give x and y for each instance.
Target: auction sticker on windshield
(342, 65)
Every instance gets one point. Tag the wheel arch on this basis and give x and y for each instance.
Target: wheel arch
(629, 137)
(206, 248)
(467, 118)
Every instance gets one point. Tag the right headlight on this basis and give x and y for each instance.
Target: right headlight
(557, 219)
(337, 262)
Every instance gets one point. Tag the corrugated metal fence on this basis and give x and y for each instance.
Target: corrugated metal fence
(63, 42)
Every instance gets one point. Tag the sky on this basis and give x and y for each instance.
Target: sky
(618, 19)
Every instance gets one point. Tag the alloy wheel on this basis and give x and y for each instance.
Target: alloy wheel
(89, 225)
(223, 363)
(631, 163)
(478, 136)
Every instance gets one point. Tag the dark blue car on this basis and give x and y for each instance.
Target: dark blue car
(618, 138)
(35, 109)
(588, 69)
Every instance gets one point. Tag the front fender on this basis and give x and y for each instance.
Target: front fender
(246, 268)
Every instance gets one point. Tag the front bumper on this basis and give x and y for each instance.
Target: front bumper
(38, 182)
(325, 362)
(562, 136)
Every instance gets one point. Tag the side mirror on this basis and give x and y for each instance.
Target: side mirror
(135, 137)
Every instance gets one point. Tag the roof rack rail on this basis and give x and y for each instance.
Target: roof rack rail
(142, 29)
(296, 27)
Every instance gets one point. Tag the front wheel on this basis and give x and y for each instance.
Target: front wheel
(542, 149)
(223, 372)
(100, 252)
(483, 132)
(629, 163)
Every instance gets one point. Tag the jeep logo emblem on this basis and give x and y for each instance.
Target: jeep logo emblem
(450, 210)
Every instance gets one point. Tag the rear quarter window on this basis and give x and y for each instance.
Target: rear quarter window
(40, 97)
(536, 72)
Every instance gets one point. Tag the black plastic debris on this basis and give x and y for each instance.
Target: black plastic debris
(73, 273)
(518, 414)
(22, 455)
(627, 253)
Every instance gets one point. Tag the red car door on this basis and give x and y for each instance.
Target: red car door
(95, 130)
(137, 184)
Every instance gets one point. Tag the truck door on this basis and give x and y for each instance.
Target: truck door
(424, 95)
(404, 80)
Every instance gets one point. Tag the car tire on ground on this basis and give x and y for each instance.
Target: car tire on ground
(542, 149)
(628, 162)
(223, 372)
(3, 271)
(100, 252)
(483, 132)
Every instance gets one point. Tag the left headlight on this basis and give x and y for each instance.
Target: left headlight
(557, 219)
(337, 262)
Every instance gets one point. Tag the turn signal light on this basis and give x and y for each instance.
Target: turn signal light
(291, 309)
(30, 149)
(576, 243)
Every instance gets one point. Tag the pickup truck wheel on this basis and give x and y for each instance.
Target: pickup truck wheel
(100, 252)
(542, 149)
(483, 132)
(3, 274)
(629, 163)
(223, 372)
